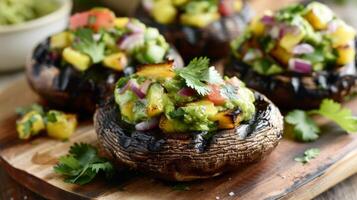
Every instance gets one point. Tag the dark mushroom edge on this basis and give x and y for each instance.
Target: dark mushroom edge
(297, 79)
(189, 156)
(77, 68)
(211, 41)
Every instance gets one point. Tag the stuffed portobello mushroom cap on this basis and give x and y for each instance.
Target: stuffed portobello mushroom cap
(314, 60)
(172, 146)
(61, 68)
(193, 39)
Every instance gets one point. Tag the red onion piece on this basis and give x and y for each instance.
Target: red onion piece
(125, 87)
(275, 32)
(303, 49)
(268, 20)
(288, 29)
(226, 7)
(145, 86)
(187, 92)
(300, 65)
(134, 27)
(147, 125)
(148, 4)
(135, 88)
(130, 41)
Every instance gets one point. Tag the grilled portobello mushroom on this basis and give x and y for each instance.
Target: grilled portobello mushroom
(78, 67)
(180, 133)
(197, 28)
(297, 56)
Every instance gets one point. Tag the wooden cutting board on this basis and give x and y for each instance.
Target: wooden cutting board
(278, 176)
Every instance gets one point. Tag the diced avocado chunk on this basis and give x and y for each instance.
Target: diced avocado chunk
(60, 125)
(155, 99)
(30, 124)
(61, 40)
(154, 53)
(126, 104)
(79, 60)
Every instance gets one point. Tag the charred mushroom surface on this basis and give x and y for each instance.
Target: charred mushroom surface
(211, 40)
(297, 56)
(78, 67)
(189, 156)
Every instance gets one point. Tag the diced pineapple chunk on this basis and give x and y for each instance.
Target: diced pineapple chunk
(179, 2)
(121, 22)
(281, 55)
(290, 40)
(80, 61)
(346, 55)
(199, 20)
(164, 12)
(61, 126)
(126, 111)
(30, 124)
(116, 61)
(257, 27)
(343, 34)
(162, 70)
(319, 15)
(172, 126)
(155, 100)
(227, 119)
(61, 40)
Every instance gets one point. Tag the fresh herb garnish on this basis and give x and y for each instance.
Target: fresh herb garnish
(82, 164)
(308, 155)
(27, 127)
(85, 43)
(305, 129)
(51, 117)
(198, 75)
(34, 107)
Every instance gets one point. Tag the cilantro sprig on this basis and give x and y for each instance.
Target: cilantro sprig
(82, 164)
(308, 155)
(86, 44)
(198, 75)
(305, 128)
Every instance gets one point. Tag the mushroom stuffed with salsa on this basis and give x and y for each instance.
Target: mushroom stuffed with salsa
(297, 56)
(197, 27)
(186, 123)
(75, 68)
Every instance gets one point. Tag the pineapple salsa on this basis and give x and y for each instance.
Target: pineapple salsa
(98, 37)
(197, 13)
(298, 39)
(194, 98)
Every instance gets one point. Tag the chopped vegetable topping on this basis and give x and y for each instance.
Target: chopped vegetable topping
(83, 164)
(194, 98)
(308, 156)
(34, 120)
(197, 13)
(98, 37)
(305, 129)
(297, 39)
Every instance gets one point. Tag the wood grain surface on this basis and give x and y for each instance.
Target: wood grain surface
(279, 176)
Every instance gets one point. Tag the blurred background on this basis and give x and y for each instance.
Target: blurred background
(16, 40)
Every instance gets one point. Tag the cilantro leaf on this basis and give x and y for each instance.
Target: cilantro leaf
(308, 155)
(51, 117)
(304, 128)
(82, 164)
(197, 75)
(86, 44)
(34, 107)
(341, 116)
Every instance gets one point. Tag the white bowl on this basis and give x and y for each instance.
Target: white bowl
(17, 41)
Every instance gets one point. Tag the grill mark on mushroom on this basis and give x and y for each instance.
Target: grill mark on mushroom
(175, 158)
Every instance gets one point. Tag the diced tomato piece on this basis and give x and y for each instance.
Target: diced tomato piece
(94, 19)
(226, 7)
(101, 18)
(215, 95)
(79, 20)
